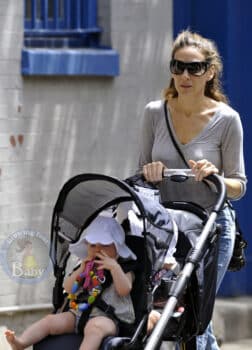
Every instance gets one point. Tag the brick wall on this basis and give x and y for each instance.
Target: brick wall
(54, 128)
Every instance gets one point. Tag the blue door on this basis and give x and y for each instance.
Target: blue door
(228, 23)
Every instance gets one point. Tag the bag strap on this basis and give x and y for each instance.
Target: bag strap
(174, 141)
(237, 225)
(172, 136)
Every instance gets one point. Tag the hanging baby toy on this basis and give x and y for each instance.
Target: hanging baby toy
(93, 280)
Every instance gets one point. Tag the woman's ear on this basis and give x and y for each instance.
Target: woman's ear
(210, 73)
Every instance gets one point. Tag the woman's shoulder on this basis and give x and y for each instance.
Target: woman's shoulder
(156, 105)
(153, 112)
(228, 118)
(227, 111)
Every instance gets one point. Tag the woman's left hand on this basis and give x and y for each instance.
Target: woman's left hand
(202, 168)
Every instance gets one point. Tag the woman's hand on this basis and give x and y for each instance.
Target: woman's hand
(153, 172)
(202, 168)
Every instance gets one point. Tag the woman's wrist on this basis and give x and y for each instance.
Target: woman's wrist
(234, 188)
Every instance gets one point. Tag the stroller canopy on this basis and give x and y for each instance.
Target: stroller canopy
(84, 196)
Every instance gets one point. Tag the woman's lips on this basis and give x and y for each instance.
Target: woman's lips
(186, 86)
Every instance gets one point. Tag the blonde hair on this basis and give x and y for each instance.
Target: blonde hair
(208, 48)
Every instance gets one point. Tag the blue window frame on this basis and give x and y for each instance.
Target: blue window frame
(62, 37)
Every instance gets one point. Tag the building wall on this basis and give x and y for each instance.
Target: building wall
(231, 37)
(54, 128)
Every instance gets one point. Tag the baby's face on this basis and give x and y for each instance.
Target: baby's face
(108, 249)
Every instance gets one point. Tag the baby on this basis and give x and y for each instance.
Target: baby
(106, 258)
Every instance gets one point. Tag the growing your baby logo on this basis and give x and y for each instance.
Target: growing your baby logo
(25, 256)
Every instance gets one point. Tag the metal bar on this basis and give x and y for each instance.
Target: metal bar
(67, 14)
(170, 172)
(56, 14)
(77, 15)
(60, 32)
(91, 13)
(180, 284)
(160, 326)
(22, 308)
(27, 19)
(25, 9)
(44, 13)
(33, 13)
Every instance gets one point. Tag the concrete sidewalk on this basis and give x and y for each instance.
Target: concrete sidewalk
(245, 344)
(232, 321)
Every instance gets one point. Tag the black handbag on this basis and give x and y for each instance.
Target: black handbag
(238, 260)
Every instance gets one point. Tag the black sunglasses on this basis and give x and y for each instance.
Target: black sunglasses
(194, 68)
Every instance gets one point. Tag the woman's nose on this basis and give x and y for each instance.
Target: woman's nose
(185, 73)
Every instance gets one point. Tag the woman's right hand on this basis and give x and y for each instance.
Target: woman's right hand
(153, 172)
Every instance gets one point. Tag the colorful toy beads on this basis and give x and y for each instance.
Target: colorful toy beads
(93, 279)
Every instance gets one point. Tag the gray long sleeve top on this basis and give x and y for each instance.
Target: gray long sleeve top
(220, 142)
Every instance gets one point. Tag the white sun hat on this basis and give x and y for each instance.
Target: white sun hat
(104, 230)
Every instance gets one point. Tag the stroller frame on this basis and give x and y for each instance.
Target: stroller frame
(193, 258)
(127, 193)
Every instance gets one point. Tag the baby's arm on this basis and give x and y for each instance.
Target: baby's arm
(69, 280)
(122, 281)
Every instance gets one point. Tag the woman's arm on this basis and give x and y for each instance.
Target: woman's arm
(234, 188)
(233, 168)
(203, 168)
(233, 159)
(146, 137)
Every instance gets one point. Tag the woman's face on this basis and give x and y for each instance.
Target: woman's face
(186, 83)
(108, 249)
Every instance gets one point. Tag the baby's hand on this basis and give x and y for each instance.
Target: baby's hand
(104, 261)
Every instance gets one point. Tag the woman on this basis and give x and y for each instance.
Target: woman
(208, 132)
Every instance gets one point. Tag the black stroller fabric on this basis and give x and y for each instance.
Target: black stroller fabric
(199, 296)
(81, 199)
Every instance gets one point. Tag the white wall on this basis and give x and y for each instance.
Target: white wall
(72, 125)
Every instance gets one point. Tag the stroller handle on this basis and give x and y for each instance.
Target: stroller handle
(178, 175)
(181, 175)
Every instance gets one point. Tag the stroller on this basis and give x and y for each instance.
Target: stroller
(84, 197)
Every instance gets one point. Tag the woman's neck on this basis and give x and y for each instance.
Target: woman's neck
(188, 107)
